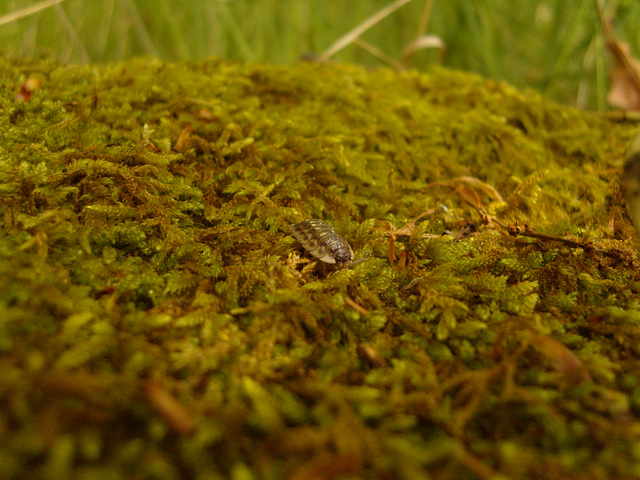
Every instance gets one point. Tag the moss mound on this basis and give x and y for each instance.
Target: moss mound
(157, 319)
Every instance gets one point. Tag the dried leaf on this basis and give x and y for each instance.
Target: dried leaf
(625, 79)
(29, 86)
(470, 188)
(183, 143)
(624, 90)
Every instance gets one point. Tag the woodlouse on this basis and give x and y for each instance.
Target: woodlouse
(323, 242)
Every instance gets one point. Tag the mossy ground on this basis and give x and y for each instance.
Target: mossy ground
(158, 321)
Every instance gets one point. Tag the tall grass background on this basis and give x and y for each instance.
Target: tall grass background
(554, 46)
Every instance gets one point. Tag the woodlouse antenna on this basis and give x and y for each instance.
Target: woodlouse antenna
(356, 262)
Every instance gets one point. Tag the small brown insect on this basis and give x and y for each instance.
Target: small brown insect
(323, 242)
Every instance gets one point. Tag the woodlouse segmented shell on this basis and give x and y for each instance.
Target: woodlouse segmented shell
(323, 242)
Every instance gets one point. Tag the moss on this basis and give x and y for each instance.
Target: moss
(157, 320)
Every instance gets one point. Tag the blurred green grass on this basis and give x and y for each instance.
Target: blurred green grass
(554, 46)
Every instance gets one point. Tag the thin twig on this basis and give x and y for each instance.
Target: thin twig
(358, 308)
(377, 53)
(360, 29)
(525, 230)
(25, 12)
(66, 22)
(424, 18)
(410, 49)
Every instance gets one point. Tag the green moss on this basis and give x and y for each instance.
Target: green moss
(157, 320)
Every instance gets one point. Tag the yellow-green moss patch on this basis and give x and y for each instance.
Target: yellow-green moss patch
(158, 321)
